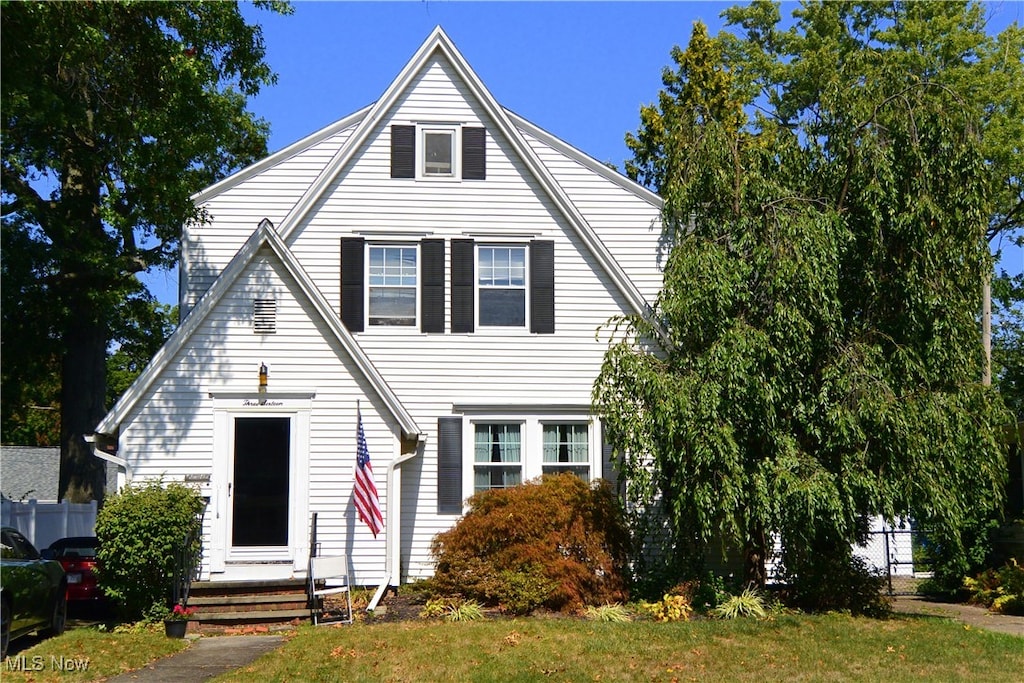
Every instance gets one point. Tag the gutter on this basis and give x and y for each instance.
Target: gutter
(392, 538)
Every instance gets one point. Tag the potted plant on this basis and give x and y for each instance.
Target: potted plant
(176, 621)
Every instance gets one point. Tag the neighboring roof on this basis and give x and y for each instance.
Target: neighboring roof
(264, 235)
(32, 472)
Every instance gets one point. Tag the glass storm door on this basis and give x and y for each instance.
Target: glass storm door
(260, 482)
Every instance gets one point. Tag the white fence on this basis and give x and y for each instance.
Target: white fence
(44, 523)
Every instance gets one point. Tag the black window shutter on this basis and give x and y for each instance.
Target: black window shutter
(474, 154)
(463, 255)
(403, 151)
(432, 286)
(449, 465)
(352, 283)
(542, 287)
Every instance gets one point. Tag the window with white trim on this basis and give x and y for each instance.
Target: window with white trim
(496, 451)
(501, 286)
(392, 277)
(497, 456)
(437, 146)
(566, 448)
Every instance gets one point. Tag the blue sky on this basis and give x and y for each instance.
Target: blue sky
(580, 70)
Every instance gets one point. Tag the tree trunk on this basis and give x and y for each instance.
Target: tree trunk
(755, 556)
(83, 390)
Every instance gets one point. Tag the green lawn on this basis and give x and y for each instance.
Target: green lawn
(789, 648)
(87, 654)
(786, 648)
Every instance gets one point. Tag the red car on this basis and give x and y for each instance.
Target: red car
(77, 555)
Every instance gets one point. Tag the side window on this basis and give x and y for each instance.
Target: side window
(566, 448)
(497, 456)
(501, 286)
(392, 285)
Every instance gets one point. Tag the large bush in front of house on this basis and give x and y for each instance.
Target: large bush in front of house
(557, 542)
(142, 531)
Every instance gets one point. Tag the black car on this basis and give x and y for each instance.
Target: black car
(32, 590)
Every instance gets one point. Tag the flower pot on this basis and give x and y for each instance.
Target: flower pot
(175, 629)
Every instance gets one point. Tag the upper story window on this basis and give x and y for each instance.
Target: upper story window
(392, 285)
(438, 145)
(438, 150)
(501, 283)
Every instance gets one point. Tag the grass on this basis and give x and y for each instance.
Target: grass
(789, 647)
(103, 655)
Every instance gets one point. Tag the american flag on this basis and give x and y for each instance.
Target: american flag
(365, 491)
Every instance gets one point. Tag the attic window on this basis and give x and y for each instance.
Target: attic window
(264, 316)
(438, 150)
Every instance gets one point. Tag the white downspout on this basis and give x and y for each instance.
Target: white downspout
(117, 460)
(393, 530)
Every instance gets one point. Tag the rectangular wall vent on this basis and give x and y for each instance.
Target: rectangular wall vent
(264, 316)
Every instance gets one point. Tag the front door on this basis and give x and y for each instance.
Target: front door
(260, 482)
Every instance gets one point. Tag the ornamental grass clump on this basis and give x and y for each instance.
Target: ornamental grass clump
(749, 603)
(557, 543)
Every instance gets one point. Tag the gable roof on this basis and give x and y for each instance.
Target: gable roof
(438, 42)
(264, 235)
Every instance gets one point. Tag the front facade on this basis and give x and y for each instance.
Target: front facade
(434, 264)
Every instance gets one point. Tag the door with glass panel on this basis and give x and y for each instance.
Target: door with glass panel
(260, 482)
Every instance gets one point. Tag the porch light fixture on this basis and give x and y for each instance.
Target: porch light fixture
(263, 377)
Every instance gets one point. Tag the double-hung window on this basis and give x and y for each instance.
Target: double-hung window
(566, 448)
(501, 286)
(497, 456)
(392, 285)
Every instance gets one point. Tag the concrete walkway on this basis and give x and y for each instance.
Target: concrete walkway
(205, 658)
(970, 615)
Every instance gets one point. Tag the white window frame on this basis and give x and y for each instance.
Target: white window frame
(571, 465)
(525, 287)
(531, 435)
(370, 246)
(424, 129)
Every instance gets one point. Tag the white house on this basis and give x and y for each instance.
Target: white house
(434, 262)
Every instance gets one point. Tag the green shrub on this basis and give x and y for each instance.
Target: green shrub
(1001, 590)
(141, 531)
(837, 581)
(557, 543)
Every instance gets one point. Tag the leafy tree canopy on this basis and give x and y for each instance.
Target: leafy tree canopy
(114, 114)
(815, 356)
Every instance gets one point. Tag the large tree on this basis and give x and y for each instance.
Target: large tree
(113, 115)
(815, 356)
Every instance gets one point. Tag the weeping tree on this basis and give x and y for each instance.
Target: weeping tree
(814, 357)
(114, 114)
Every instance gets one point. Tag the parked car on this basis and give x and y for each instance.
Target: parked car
(32, 590)
(77, 554)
